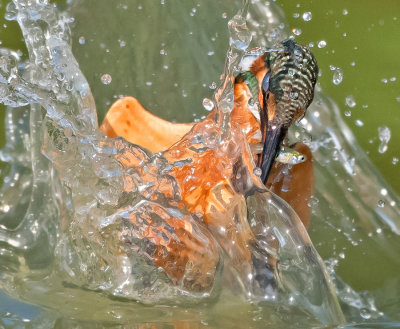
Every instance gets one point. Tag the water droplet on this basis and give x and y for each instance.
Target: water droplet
(337, 76)
(210, 53)
(224, 15)
(68, 85)
(359, 123)
(345, 12)
(307, 16)
(350, 102)
(122, 43)
(342, 255)
(193, 12)
(213, 86)
(322, 44)
(365, 314)
(60, 76)
(294, 95)
(347, 113)
(208, 104)
(296, 31)
(384, 192)
(384, 136)
(313, 201)
(11, 12)
(392, 79)
(257, 171)
(82, 40)
(251, 101)
(298, 57)
(384, 80)
(395, 160)
(163, 52)
(381, 204)
(106, 79)
(149, 83)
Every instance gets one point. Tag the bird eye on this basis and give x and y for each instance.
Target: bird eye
(265, 83)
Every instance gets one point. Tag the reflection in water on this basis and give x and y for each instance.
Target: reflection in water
(78, 224)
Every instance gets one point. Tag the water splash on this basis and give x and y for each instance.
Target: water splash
(81, 224)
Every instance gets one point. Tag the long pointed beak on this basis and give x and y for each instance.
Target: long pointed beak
(274, 136)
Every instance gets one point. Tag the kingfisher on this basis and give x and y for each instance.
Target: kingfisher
(283, 80)
(272, 91)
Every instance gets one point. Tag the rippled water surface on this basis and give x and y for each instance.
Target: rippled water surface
(77, 208)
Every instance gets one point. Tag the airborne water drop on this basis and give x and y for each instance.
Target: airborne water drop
(307, 16)
(106, 79)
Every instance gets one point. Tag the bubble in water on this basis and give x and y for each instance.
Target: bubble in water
(257, 171)
(307, 16)
(322, 44)
(208, 104)
(359, 123)
(381, 203)
(395, 160)
(106, 79)
(82, 40)
(384, 137)
(350, 102)
(337, 76)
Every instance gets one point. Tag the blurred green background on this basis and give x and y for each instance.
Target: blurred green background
(362, 39)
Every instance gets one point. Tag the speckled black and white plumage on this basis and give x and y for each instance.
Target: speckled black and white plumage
(293, 75)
